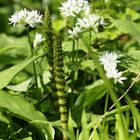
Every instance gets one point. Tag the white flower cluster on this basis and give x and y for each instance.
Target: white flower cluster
(38, 39)
(109, 61)
(74, 33)
(74, 7)
(86, 23)
(26, 17)
(91, 22)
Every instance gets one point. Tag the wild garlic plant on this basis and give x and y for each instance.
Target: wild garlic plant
(29, 19)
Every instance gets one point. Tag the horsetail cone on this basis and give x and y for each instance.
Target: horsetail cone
(59, 78)
(49, 35)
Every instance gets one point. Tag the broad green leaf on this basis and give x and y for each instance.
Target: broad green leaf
(23, 86)
(13, 42)
(135, 66)
(5, 49)
(26, 111)
(28, 138)
(121, 134)
(71, 125)
(129, 27)
(131, 14)
(87, 127)
(95, 118)
(95, 136)
(87, 99)
(3, 118)
(88, 64)
(7, 75)
(84, 122)
(90, 96)
(59, 24)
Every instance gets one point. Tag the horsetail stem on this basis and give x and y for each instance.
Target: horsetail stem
(59, 78)
(55, 60)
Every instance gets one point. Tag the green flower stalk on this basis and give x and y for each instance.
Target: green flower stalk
(59, 78)
(49, 35)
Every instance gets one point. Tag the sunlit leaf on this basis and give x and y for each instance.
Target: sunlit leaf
(135, 66)
(90, 96)
(3, 118)
(59, 24)
(24, 110)
(129, 27)
(23, 86)
(7, 75)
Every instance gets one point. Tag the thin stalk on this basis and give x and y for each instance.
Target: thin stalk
(106, 103)
(73, 71)
(105, 110)
(34, 64)
(73, 44)
(73, 50)
(73, 56)
(90, 33)
(77, 41)
(85, 74)
(103, 4)
(84, 79)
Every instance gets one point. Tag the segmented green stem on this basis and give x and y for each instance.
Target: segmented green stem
(59, 78)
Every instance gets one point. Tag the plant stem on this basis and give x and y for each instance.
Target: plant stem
(73, 71)
(85, 74)
(105, 110)
(73, 64)
(34, 64)
(73, 49)
(90, 33)
(84, 79)
(60, 84)
(77, 41)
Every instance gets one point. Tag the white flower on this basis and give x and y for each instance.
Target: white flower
(90, 22)
(102, 22)
(26, 17)
(33, 17)
(38, 39)
(74, 7)
(74, 33)
(17, 17)
(109, 62)
(118, 77)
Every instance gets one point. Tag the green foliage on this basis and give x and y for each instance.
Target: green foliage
(129, 27)
(90, 96)
(7, 75)
(22, 109)
(90, 105)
